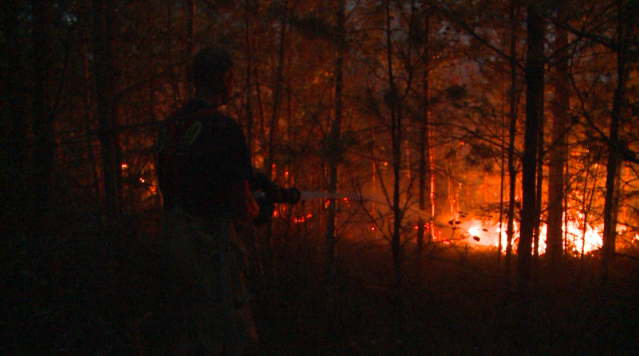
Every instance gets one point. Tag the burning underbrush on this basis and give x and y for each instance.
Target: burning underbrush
(481, 232)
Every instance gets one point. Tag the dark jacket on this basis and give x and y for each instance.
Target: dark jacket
(202, 157)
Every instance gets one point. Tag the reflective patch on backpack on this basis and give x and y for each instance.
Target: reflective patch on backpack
(192, 133)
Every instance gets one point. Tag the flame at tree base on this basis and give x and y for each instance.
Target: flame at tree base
(486, 233)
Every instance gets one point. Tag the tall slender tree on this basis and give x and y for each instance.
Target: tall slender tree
(279, 84)
(512, 134)
(335, 136)
(534, 98)
(104, 74)
(615, 148)
(42, 113)
(392, 98)
(558, 151)
(426, 148)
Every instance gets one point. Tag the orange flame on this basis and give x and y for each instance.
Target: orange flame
(487, 233)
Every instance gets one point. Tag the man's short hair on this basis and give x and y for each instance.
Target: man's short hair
(208, 66)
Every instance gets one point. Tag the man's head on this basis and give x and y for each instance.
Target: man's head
(213, 74)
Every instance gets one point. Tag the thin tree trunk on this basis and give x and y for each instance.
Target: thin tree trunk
(88, 108)
(269, 161)
(249, 68)
(426, 176)
(331, 239)
(512, 132)
(558, 153)
(169, 56)
(614, 146)
(587, 203)
(502, 181)
(540, 182)
(279, 83)
(396, 130)
(191, 27)
(504, 152)
(104, 13)
(260, 106)
(534, 97)
(13, 104)
(43, 155)
(190, 45)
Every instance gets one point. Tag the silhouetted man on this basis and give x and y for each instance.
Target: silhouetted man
(204, 168)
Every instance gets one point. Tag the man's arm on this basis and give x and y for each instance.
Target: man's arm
(244, 207)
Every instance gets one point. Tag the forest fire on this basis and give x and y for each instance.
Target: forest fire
(577, 240)
(414, 131)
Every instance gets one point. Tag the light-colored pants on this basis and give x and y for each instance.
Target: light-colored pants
(208, 265)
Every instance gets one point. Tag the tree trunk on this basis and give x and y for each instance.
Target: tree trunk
(336, 125)
(558, 152)
(191, 27)
(249, 8)
(89, 114)
(104, 13)
(512, 133)
(396, 137)
(190, 45)
(426, 157)
(279, 83)
(43, 155)
(540, 182)
(13, 104)
(614, 145)
(534, 97)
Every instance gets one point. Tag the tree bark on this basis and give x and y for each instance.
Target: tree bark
(614, 145)
(426, 156)
(335, 138)
(558, 153)
(104, 12)
(512, 133)
(540, 180)
(13, 102)
(249, 8)
(534, 97)
(43, 154)
(396, 137)
(190, 45)
(277, 95)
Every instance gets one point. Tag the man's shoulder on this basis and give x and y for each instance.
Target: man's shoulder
(219, 119)
(203, 120)
(187, 110)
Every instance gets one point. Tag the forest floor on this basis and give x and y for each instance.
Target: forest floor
(89, 294)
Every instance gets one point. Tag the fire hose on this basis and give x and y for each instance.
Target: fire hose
(267, 194)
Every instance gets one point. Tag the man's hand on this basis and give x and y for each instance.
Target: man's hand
(253, 209)
(245, 208)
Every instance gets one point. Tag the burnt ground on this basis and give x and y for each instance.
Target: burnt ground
(92, 292)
